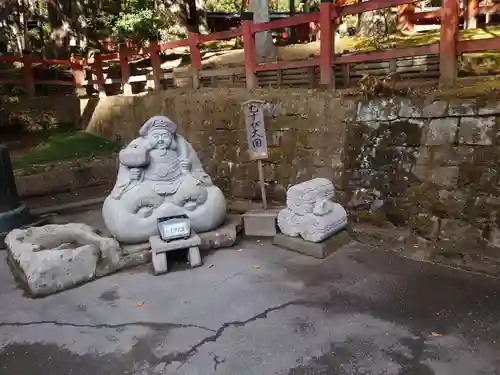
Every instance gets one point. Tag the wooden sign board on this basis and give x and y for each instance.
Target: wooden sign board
(255, 129)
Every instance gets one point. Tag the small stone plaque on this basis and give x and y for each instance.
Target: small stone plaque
(318, 250)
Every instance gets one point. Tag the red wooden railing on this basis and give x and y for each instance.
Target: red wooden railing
(433, 17)
(328, 18)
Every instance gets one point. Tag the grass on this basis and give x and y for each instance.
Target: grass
(417, 39)
(63, 147)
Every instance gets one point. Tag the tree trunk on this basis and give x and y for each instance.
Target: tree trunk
(265, 49)
(59, 28)
(376, 24)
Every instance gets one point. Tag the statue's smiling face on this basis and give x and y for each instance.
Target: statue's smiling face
(160, 139)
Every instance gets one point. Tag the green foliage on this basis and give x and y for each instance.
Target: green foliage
(137, 20)
(66, 146)
(308, 6)
(231, 6)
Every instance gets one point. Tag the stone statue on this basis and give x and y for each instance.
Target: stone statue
(310, 212)
(160, 175)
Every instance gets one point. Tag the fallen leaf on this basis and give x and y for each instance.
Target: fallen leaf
(435, 334)
(140, 304)
(255, 267)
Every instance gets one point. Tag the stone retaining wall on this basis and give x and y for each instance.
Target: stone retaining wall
(66, 176)
(432, 166)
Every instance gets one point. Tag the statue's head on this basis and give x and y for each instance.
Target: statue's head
(159, 132)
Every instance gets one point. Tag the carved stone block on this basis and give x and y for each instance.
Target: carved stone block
(310, 212)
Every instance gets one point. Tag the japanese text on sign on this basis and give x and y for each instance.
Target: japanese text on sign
(256, 130)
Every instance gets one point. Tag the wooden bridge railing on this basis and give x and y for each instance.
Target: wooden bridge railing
(328, 18)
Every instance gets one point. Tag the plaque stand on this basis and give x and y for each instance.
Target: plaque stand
(262, 184)
(166, 242)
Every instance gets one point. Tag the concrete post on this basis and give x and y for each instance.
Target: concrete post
(265, 50)
(13, 214)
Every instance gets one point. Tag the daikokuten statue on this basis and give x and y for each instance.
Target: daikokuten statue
(160, 175)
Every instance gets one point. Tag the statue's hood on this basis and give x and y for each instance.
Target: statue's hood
(155, 121)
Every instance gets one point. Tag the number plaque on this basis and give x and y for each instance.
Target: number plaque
(174, 228)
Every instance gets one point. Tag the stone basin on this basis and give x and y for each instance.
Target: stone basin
(55, 257)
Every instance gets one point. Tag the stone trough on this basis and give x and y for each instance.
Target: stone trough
(55, 257)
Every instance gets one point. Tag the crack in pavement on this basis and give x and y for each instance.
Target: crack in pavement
(184, 356)
(143, 349)
(152, 325)
(217, 360)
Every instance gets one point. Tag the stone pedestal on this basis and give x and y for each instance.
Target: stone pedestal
(318, 250)
(260, 223)
(13, 214)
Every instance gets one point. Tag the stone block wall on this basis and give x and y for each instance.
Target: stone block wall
(433, 166)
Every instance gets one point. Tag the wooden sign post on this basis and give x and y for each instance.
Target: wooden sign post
(256, 137)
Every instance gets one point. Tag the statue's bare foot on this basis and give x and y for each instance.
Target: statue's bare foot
(190, 205)
(145, 211)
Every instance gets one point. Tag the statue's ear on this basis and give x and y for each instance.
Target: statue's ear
(173, 145)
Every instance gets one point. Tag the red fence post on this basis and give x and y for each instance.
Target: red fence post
(194, 49)
(448, 42)
(125, 70)
(29, 75)
(249, 49)
(326, 43)
(154, 48)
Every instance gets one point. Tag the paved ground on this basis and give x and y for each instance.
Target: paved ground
(260, 310)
